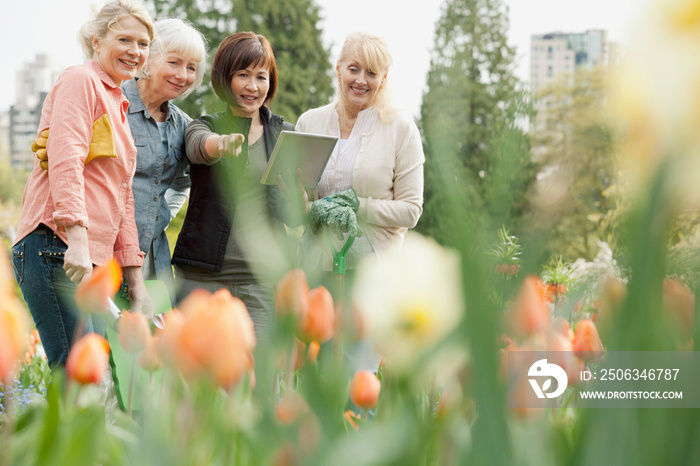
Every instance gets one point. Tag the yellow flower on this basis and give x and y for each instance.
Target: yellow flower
(410, 299)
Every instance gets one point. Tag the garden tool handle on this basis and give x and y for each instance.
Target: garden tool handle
(339, 256)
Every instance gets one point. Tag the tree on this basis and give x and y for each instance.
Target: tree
(575, 142)
(474, 111)
(477, 171)
(303, 62)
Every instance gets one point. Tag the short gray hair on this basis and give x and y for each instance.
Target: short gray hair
(176, 35)
(108, 17)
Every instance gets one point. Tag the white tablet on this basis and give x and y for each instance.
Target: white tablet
(293, 150)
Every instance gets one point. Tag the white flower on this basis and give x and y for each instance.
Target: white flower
(409, 300)
(656, 92)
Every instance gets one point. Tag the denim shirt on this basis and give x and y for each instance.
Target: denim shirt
(159, 177)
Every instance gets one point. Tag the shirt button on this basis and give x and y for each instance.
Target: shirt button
(155, 199)
(156, 181)
(124, 185)
(165, 165)
(157, 217)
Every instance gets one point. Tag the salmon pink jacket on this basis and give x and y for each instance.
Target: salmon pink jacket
(98, 195)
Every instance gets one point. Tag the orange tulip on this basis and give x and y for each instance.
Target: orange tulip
(134, 331)
(212, 336)
(364, 389)
(530, 314)
(561, 353)
(92, 294)
(312, 353)
(351, 416)
(148, 359)
(88, 359)
(679, 306)
(587, 345)
(292, 294)
(318, 323)
(561, 325)
(13, 337)
(290, 407)
(299, 353)
(167, 341)
(7, 276)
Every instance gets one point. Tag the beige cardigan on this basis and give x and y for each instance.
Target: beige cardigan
(387, 175)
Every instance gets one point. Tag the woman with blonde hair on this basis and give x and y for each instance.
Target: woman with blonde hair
(372, 186)
(80, 213)
(376, 169)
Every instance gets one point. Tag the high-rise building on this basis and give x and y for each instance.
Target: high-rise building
(34, 81)
(24, 122)
(4, 137)
(557, 55)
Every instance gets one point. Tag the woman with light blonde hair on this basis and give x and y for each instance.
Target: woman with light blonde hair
(377, 164)
(372, 186)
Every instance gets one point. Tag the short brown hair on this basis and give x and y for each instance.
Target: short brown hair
(237, 52)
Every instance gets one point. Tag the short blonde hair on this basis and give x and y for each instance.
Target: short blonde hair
(108, 17)
(374, 50)
(178, 36)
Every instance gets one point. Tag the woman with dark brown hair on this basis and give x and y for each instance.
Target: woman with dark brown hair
(227, 239)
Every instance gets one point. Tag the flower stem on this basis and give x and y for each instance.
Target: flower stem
(131, 384)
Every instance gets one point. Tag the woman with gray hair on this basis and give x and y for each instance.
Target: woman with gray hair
(161, 183)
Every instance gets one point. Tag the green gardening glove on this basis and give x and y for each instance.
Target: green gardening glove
(346, 198)
(337, 218)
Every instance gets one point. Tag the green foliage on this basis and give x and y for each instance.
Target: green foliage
(474, 108)
(576, 142)
(175, 226)
(507, 250)
(12, 184)
(290, 25)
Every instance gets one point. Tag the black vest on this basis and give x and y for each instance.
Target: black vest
(204, 235)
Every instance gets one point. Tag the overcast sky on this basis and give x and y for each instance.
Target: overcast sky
(28, 27)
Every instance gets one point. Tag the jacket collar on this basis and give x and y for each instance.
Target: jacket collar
(136, 105)
(104, 77)
(268, 118)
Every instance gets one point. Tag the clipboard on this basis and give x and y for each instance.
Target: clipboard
(295, 149)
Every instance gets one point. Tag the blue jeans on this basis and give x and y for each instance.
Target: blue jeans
(38, 265)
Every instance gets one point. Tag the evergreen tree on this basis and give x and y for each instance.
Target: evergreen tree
(473, 112)
(575, 142)
(304, 66)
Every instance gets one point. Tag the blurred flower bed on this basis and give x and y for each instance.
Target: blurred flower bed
(205, 390)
